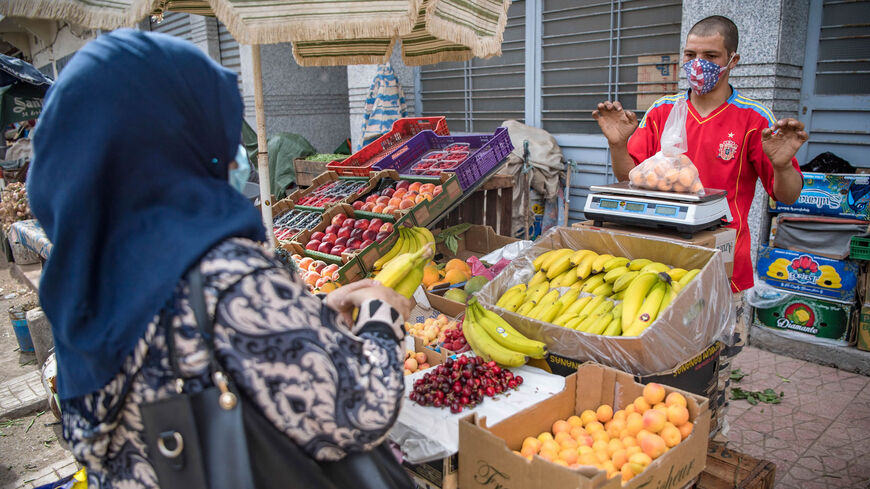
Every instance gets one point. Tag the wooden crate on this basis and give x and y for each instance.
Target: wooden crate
(307, 171)
(491, 205)
(729, 469)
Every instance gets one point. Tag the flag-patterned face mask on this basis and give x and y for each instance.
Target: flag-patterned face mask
(703, 75)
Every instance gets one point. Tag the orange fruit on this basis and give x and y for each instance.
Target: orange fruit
(415, 186)
(560, 426)
(604, 413)
(399, 193)
(305, 262)
(427, 187)
(379, 208)
(395, 201)
(455, 277)
(406, 204)
(430, 275)
(383, 199)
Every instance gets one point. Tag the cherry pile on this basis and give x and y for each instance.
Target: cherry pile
(462, 383)
(454, 340)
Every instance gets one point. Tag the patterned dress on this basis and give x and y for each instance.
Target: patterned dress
(331, 390)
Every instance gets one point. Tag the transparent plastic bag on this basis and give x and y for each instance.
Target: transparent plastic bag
(670, 170)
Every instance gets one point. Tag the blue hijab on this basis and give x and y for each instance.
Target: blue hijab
(129, 180)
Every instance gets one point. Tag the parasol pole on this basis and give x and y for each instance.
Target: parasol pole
(262, 147)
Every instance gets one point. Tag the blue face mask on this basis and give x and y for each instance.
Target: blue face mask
(239, 175)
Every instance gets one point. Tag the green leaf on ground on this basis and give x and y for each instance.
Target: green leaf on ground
(737, 375)
(784, 379)
(768, 396)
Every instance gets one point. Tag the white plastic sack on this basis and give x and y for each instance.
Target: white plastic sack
(508, 252)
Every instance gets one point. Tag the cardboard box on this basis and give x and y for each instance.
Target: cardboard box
(439, 474)
(831, 194)
(447, 306)
(692, 322)
(864, 329)
(808, 274)
(810, 316)
(722, 239)
(476, 241)
(486, 459)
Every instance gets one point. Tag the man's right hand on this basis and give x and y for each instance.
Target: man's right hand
(617, 124)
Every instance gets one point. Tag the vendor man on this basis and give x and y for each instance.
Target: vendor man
(732, 140)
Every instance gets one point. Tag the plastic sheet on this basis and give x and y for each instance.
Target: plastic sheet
(670, 170)
(430, 433)
(507, 252)
(701, 314)
(763, 296)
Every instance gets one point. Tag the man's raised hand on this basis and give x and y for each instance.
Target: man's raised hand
(617, 124)
(782, 141)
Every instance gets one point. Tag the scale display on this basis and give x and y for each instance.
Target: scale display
(633, 207)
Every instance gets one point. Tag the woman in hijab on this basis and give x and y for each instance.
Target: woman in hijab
(129, 180)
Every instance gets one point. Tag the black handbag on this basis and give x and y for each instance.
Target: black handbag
(218, 439)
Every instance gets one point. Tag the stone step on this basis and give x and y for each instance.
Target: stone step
(22, 395)
(846, 358)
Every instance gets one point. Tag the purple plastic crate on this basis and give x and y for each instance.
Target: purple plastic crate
(486, 152)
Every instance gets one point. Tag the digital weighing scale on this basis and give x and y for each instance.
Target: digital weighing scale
(684, 213)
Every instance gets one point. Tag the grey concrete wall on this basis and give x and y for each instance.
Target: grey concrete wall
(772, 47)
(310, 101)
(359, 79)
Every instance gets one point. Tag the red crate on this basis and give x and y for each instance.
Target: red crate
(360, 163)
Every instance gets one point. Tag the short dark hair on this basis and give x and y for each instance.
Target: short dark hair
(716, 24)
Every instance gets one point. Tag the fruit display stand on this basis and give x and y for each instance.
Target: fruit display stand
(421, 213)
(361, 162)
(290, 222)
(698, 316)
(728, 469)
(490, 204)
(487, 445)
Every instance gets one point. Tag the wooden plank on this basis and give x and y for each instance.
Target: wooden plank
(498, 181)
(471, 211)
(729, 469)
(506, 211)
(491, 197)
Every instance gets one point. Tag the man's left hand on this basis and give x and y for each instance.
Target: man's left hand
(782, 141)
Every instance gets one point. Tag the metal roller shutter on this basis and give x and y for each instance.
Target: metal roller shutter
(175, 24)
(229, 50)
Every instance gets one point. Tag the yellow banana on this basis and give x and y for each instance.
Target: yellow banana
(605, 306)
(504, 334)
(535, 292)
(538, 309)
(624, 280)
(635, 295)
(584, 268)
(575, 307)
(559, 266)
(427, 235)
(552, 295)
(486, 347)
(677, 273)
(618, 296)
(578, 256)
(688, 277)
(566, 279)
(511, 297)
(539, 261)
(401, 273)
(591, 305)
(550, 313)
(614, 328)
(616, 262)
(539, 277)
(670, 293)
(598, 264)
(638, 263)
(563, 319)
(394, 251)
(526, 307)
(515, 302)
(655, 267)
(419, 239)
(614, 274)
(562, 252)
(518, 288)
(568, 297)
(600, 324)
(648, 311)
(592, 283)
(575, 322)
(603, 289)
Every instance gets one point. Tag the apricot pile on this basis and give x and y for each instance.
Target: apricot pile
(667, 175)
(622, 443)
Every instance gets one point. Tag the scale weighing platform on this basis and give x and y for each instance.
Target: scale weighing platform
(684, 213)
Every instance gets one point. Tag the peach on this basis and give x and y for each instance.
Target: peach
(600, 435)
(390, 209)
(562, 436)
(628, 441)
(305, 263)
(653, 393)
(634, 423)
(671, 435)
(619, 458)
(407, 204)
(588, 416)
(629, 409)
(604, 413)
(575, 421)
(662, 407)
(641, 435)
(583, 450)
(608, 467)
(568, 455)
(594, 426)
(420, 357)
(551, 446)
(686, 429)
(577, 433)
(632, 450)
(678, 415)
(570, 443)
(675, 398)
(654, 420)
(533, 444)
(615, 427)
(602, 457)
(626, 473)
(641, 406)
(560, 426)
(545, 436)
(415, 186)
(620, 415)
(599, 446)
(641, 459)
(653, 445)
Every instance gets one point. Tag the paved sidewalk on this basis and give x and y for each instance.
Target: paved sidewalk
(818, 436)
(22, 395)
(52, 473)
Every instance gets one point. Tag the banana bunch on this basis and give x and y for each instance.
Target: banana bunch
(410, 240)
(492, 338)
(404, 273)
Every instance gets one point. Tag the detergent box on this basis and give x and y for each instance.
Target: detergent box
(808, 274)
(813, 317)
(831, 194)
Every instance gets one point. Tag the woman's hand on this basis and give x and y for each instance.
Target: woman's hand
(345, 299)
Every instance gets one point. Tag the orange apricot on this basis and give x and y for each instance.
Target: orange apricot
(604, 413)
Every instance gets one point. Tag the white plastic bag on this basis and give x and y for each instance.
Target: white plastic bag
(670, 170)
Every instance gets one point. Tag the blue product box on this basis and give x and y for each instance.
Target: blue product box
(808, 274)
(831, 194)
